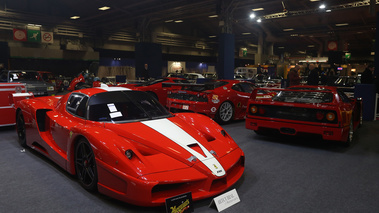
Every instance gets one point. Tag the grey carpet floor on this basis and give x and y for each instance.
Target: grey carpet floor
(283, 174)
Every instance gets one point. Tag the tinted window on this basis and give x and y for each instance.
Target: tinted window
(77, 104)
(125, 106)
(243, 87)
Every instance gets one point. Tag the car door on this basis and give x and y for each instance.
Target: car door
(243, 91)
(61, 124)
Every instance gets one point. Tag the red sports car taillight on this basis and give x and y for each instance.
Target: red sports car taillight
(253, 109)
(319, 116)
(261, 110)
(330, 116)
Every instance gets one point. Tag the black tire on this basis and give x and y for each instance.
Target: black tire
(85, 165)
(225, 112)
(20, 127)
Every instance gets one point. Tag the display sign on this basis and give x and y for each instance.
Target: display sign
(34, 35)
(19, 35)
(180, 203)
(332, 46)
(47, 37)
(226, 200)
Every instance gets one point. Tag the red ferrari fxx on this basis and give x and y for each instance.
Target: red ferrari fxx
(126, 145)
(315, 110)
(222, 100)
(158, 88)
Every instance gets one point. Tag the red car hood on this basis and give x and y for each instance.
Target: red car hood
(177, 139)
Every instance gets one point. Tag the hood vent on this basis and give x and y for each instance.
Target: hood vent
(197, 148)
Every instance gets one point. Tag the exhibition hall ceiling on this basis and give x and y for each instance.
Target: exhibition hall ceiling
(296, 26)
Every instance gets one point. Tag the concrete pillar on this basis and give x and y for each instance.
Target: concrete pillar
(225, 64)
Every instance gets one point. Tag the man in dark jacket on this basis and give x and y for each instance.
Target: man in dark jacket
(367, 76)
(313, 77)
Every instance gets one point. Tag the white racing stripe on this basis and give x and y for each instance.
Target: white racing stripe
(107, 88)
(183, 139)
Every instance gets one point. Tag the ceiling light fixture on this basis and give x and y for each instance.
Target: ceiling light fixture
(212, 36)
(245, 33)
(322, 6)
(104, 8)
(328, 11)
(342, 24)
(168, 21)
(74, 17)
(252, 16)
(259, 20)
(178, 21)
(288, 29)
(313, 0)
(213, 16)
(311, 45)
(257, 9)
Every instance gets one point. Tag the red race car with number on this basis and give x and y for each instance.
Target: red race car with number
(298, 110)
(222, 100)
(158, 88)
(126, 145)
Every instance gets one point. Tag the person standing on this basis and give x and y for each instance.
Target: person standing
(313, 76)
(293, 76)
(145, 74)
(367, 76)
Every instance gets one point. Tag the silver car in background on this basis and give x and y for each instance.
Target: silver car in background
(32, 79)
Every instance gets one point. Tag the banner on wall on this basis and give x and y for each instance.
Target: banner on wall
(19, 35)
(34, 35)
(47, 37)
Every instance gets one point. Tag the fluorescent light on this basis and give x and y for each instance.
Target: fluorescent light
(259, 20)
(294, 35)
(252, 15)
(245, 33)
(74, 17)
(34, 25)
(104, 8)
(322, 6)
(313, 0)
(288, 29)
(168, 21)
(328, 11)
(213, 16)
(342, 24)
(212, 36)
(178, 21)
(257, 9)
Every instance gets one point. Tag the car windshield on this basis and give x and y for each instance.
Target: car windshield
(304, 97)
(125, 106)
(16, 76)
(207, 86)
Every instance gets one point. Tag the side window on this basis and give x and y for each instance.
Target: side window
(76, 104)
(246, 87)
(237, 87)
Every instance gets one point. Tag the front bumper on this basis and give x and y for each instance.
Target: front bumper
(154, 189)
